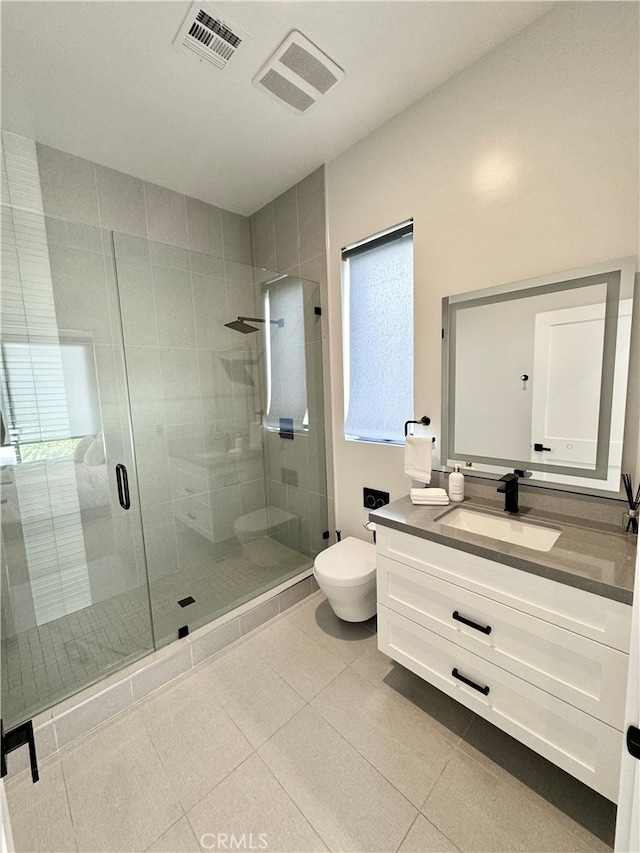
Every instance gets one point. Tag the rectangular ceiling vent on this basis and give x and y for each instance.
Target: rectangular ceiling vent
(297, 74)
(210, 36)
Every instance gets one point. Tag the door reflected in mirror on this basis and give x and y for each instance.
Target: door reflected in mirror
(535, 376)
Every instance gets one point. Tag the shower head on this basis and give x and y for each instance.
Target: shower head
(239, 325)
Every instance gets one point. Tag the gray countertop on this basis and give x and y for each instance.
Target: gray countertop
(598, 558)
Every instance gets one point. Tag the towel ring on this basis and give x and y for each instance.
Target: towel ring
(424, 421)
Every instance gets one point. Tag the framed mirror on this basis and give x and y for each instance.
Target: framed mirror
(535, 376)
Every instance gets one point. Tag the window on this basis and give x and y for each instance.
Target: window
(377, 301)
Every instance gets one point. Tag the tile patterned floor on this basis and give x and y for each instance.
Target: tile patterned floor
(43, 665)
(303, 737)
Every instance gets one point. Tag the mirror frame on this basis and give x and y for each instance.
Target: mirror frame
(618, 276)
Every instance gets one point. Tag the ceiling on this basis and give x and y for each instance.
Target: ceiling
(102, 80)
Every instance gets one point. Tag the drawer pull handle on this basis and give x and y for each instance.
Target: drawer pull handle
(486, 629)
(191, 516)
(456, 674)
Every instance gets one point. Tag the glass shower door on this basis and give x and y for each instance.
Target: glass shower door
(75, 601)
(233, 501)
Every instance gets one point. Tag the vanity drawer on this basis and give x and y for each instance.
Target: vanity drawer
(593, 616)
(194, 512)
(186, 479)
(585, 747)
(587, 674)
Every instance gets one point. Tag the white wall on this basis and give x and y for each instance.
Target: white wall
(522, 165)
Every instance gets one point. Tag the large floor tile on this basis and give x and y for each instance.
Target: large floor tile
(40, 817)
(346, 640)
(477, 810)
(302, 662)
(395, 736)
(119, 793)
(449, 717)
(254, 696)
(349, 804)
(180, 838)
(251, 804)
(196, 740)
(424, 837)
(587, 814)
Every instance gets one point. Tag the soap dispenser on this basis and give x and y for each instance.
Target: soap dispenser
(456, 485)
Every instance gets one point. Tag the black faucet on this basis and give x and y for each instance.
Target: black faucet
(510, 489)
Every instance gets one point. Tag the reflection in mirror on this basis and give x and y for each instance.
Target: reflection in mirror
(535, 376)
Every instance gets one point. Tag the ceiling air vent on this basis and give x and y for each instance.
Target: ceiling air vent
(211, 37)
(298, 73)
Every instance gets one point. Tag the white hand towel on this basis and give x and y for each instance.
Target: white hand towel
(429, 497)
(417, 457)
(429, 493)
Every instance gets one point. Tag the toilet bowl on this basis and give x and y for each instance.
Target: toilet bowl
(346, 573)
(266, 521)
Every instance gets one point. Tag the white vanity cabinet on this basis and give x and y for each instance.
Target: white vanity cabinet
(543, 661)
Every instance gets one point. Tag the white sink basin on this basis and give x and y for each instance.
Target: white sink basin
(504, 528)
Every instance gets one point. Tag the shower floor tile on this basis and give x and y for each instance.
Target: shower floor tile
(231, 756)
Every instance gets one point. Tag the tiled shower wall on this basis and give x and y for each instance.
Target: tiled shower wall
(289, 235)
(85, 192)
(174, 303)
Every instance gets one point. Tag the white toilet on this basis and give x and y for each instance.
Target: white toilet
(267, 521)
(346, 573)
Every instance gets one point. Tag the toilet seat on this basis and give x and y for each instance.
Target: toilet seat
(347, 563)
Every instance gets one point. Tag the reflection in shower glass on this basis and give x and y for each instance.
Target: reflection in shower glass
(229, 508)
(74, 592)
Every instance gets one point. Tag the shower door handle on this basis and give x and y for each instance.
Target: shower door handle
(123, 486)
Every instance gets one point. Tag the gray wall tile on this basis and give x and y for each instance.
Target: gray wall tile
(143, 369)
(211, 313)
(80, 292)
(166, 215)
(121, 202)
(160, 673)
(205, 227)
(68, 186)
(173, 257)
(235, 237)
(286, 229)
(259, 615)
(180, 386)
(296, 593)
(136, 302)
(311, 215)
(288, 235)
(72, 235)
(174, 307)
(92, 713)
(215, 640)
(263, 238)
(153, 468)
(135, 248)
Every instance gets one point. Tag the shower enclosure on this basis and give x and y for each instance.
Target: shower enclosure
(159, 467)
